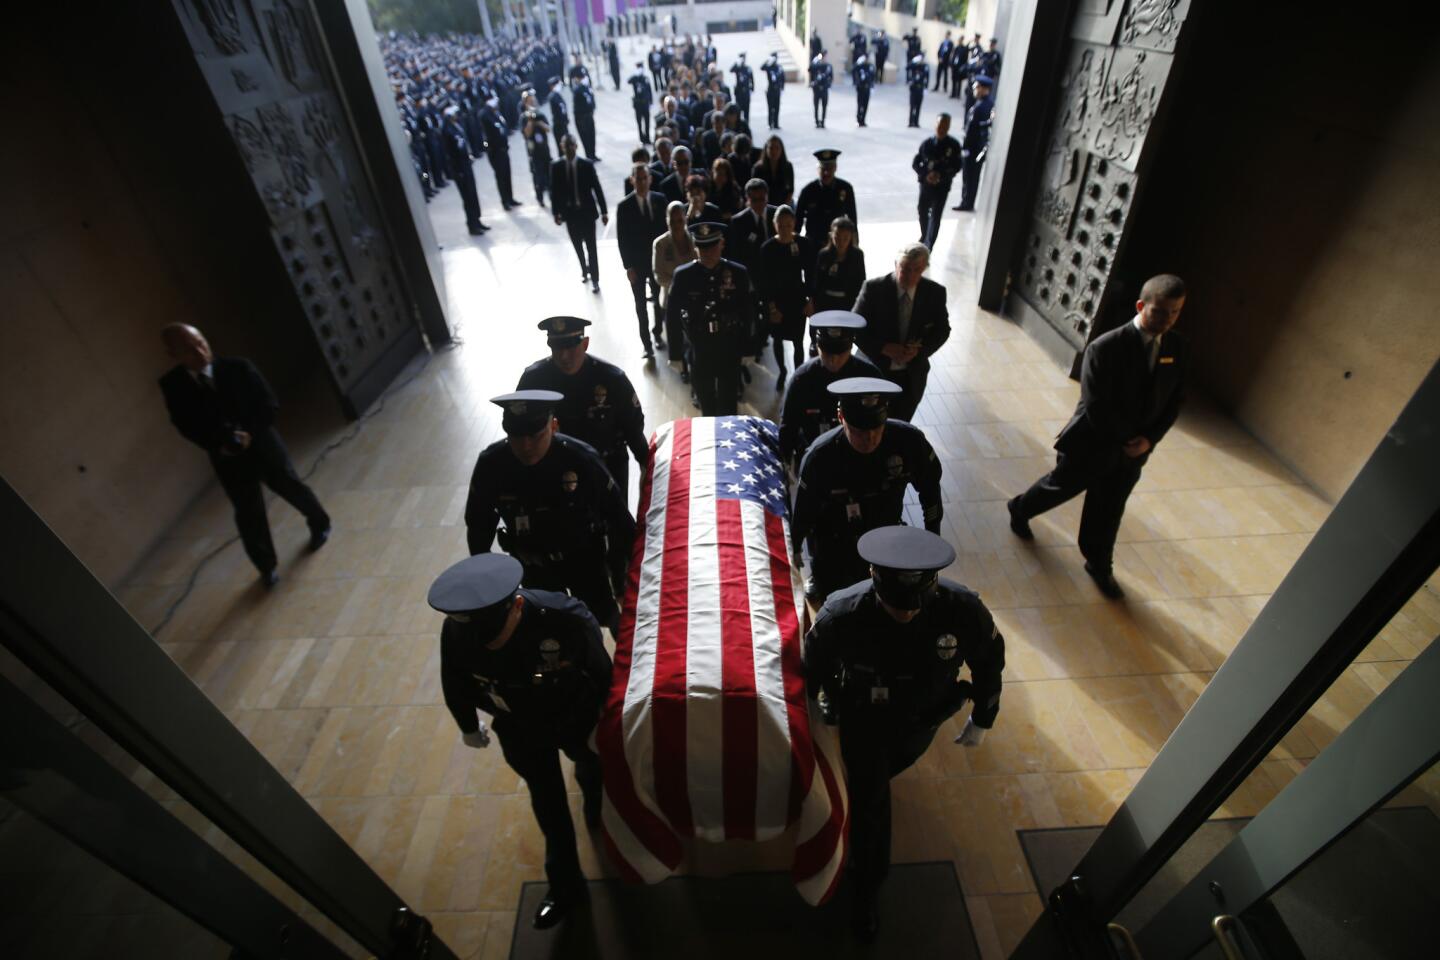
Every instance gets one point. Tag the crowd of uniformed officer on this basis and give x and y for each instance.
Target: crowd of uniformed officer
(891, 646)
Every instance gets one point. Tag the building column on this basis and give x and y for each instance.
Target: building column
(485, 19)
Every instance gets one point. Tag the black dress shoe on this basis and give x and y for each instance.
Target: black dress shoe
(780, 382)
(557, 904)
(1018, 524)
(318, 538)
(659, 341)
(269, 578)
(595, 286)
(1105, 580)
(593, 808)
(684, 376)
(649, 353)
(866, 918)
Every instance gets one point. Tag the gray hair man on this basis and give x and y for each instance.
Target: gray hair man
(906, 321)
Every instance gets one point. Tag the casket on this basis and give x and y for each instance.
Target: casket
(707, 732)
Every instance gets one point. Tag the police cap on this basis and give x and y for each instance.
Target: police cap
(903, 548)
(553, 81)
(984, 81)
(563, 331)
(827, 155)
(917, 59)
(837, 325)
(527, 411)
(707, 234)
(476, 584)
(865, 401)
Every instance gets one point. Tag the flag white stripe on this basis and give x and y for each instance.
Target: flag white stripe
(772, 779)
(704, 679)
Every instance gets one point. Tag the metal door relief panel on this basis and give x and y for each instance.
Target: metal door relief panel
(264, 64)
(1109, 93)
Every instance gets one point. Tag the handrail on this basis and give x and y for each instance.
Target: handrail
(1223, 927)
(1121, 933)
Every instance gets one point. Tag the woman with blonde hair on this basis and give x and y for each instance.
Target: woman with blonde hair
(672, 250)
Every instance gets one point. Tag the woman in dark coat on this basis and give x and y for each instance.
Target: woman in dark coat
(724, 191)
(699, 209)
(776, 171)
(839, 272)
(786, 262)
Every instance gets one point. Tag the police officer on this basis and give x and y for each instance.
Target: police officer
(857, 46)
(537, 139)
(744, 86)
(917, 75)
(612, 57)
(656, 61)
(584, 99)
(935, 164)
(497, 150)
(459, 156)
(775, 86)
(912, 44)
(942, 62)
(533, 660)
(578, 70)
(864, 80)
(713, 300)
(822, 75)
(809, 408)
(887, 653)
(987, 64)
(977, 141)
(853, 479)
(600, 405)
(559, 113)
(565, 519)
(882, 53)
(823, 199)
(642, 100)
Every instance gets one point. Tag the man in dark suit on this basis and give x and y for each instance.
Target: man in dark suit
(1131, 386)
(639, 219)
(750, 228)
(576, 200)
(224, 406)
(906, 321)
(673, 186)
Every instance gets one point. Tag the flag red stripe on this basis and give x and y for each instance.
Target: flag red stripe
(649, 829)
(801, 747)
(740, 723)
(668, 697)
(812, 855)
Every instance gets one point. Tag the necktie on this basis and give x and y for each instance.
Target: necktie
(207, 381)
(904, 315)
(644, 210)
(1154, 352)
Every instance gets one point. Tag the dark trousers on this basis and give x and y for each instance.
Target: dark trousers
(658, 82)
(1106, 482)
(743, 102)
(585, 125)
(875, 752)
(916, 96)
(532, 749)
(500, 163)
(715, 375)
(642, 123)
(862, 105)
(835, 564)
(540, 173)
(560, 129)
(912, 381)
(675, 335)
(821, 103)
(582, 238)
(582, 573)
(265, 462)
(932, 205)
(643, 284)
(465, 183)
(969, 182)
(617, 461)
(772, 104)
(942, 74)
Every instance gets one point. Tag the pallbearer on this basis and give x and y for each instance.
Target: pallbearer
(809, 408)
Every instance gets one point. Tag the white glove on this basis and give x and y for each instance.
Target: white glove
(479, 739)
(971, 736)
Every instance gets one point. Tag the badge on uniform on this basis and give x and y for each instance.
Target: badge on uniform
(895, 466)
(945, 646)
(522, 524)
(880, 695)
(852, 511)
(569, 481)
(550, 652)
(601, 394)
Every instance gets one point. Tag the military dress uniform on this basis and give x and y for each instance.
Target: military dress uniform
(716, 308)
(774, 87)
(820, 203)
(977, 141)
(497, 150)
(564, 518)
(600, 405)
(843, 494)
(864, 80)
(940, 156)
(917, 75)
(822, 76)
(891, 685)
(544, 688)
(744, 86)
(537, 137)
(809, 409)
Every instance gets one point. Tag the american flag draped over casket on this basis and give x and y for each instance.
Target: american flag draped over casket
(707, 731)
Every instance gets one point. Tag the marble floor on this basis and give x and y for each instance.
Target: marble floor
(334, 674)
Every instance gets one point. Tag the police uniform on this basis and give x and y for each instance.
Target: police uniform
(642, 99)
(744, 85)
(820, 203)
(864, 82)
(891, 685)
(716, 308)
(809, 408)
(538, 140)
(559, 114)
(600, 405)
(565, 519)
(857, 46)
(843, 493)
(917, 74)
(977, 141)
(544, 687)
(497, 150)
(822, 75)
(584, 115)
(459, 154)
(882, 53)
(775, 86)
(940, 156)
